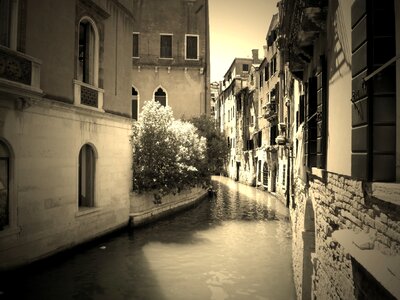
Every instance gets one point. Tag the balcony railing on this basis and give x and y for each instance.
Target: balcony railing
(19, 72)
(88, 96)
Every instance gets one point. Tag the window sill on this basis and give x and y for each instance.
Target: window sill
(318, 173)
(385, 268)
(9, 231)
(83, 211)
(192, 59)
(387, 192)
(167, 58)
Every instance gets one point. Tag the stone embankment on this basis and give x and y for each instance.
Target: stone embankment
(144, 209)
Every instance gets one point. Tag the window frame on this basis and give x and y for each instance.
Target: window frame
(197, 48)
(93, 79)
(137, 103)
(161, 51)
(138, 44)
(166, 94)
(12, 29)
(93, 180)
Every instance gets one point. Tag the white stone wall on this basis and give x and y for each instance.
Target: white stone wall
(45, 140)
(350, 224)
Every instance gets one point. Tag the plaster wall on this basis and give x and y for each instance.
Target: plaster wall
(45, 140)
(339, 93)
(52, 37)
(184, 88)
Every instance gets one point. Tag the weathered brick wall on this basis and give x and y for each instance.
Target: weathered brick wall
(340, 203)
(297, 217)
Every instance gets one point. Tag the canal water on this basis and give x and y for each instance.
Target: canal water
(236, 245)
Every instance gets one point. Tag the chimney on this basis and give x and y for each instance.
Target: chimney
(255, 56)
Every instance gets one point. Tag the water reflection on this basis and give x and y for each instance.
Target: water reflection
(234, 246)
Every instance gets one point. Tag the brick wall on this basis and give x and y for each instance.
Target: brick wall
(350, 226)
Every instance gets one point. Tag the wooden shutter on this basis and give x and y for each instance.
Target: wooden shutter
(310, 129)
(321, 113)
(373, 101)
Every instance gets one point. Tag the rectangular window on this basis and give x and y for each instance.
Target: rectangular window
(273, 66)
(245, 67)
(301, 110)
(273, 135)
(135, 45)
(192, 47)
(5, 22)
(165, 46)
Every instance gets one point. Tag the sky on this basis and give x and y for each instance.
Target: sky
(237, 27)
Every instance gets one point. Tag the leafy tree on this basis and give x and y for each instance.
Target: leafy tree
(217, 148)
(167, 153)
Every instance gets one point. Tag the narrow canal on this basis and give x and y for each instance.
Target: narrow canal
(236, 245)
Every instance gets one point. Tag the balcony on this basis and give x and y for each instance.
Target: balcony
(270, 112)
(88, 96)
(19, 73)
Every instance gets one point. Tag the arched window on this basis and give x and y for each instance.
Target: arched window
(87, 170)
(161, 96)
(4, 185)
(88, 52)
(135, 103)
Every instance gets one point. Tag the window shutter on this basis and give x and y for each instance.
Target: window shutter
(374, 101)
(310, 132)
(321, 113)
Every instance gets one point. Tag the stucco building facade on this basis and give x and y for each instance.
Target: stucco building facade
(65, 123)
(345, 209)
(170, 56)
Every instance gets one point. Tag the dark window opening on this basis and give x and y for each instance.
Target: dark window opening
(134, 104)
(161, 96)
(273, 134)
(86, 176)
(166, 46)
(245, 67)
(191, 47)
(86, 52)
(135, 45)
(5, 22)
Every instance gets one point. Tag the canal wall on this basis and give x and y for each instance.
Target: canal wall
(144, 210)
(346, 238)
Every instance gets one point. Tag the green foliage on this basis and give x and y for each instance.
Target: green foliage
(217, 148)
(167, 153)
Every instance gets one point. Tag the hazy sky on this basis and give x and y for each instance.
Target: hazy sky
(236, 27)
